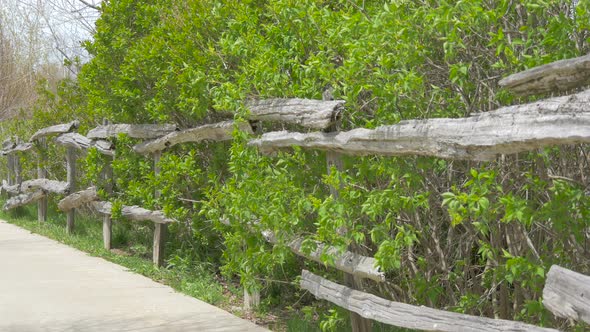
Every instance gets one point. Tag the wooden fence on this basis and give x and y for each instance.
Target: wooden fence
(484, 136)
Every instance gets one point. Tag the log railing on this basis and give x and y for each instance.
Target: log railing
(481, 137)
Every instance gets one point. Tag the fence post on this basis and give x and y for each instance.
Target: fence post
(252, 297)
(71, 164)
(160, 230)
(108, 178)
(334, 159)
(41, 174)
(17, 166)
(9, 177)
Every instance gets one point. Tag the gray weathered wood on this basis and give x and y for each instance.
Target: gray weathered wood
(13, 189)
(82, 142)
(334, 162)
(10, 171)
(160, 230)
(71, 164)
(41, 174)
(221, 131)
(358, 265)
(18, 175)
(309, 113)
(78, 199)
(405, 315)
(53, 186)
(567, 294)
(54, 130)
(142, 131)
(23, 199)
(483, 136)
(160, 235)
(134, 213)
(7, 144)
(556, 76)
(107, 232)
(251, 299)
(108, 178)
(349, 262)
(21, 147)
(107, 222)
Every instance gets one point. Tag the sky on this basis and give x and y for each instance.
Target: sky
(55, 29)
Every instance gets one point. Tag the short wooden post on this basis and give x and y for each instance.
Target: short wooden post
(107, 221)
(41, 174)
(71, 165)
(108, 178)
(251, 300)
(160, 230)
(334, 160)
(252, 297)
(9, 177)
(17, 166)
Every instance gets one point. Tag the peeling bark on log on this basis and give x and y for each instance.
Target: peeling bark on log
(567, 294)
(41, 174)
(81, 142)
(10, 189)
(54, 130)
(349, 262)
(23, 199)
(78, 199)
(134, 213)
(221, 131)
(7, 144)
(309, 113)
(21, 147)
(556, 76)
(141, 131)
(512, 129)
(46, 185)
(405, 315)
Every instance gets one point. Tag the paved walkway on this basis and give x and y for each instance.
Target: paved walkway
(47, 286)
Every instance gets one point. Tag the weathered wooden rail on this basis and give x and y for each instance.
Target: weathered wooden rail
(556, 76)
(405, 315)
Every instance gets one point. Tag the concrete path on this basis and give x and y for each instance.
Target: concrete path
(47, 286)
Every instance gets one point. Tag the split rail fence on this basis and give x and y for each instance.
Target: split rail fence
(480, 137)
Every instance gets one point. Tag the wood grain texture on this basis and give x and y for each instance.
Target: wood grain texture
(81, 142)
(159, 245)
(23, 199)
(54, 130)
(556, 76)
(567, 294)
(42, 204)
(53, 186)
(71, 165)
(12, 189)
(141, 131)
(358, 265)
(134, 213)
(309, 113)
(21, 147)
(405, 315)
(78, 199)
(221, 131)
(483, 136)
